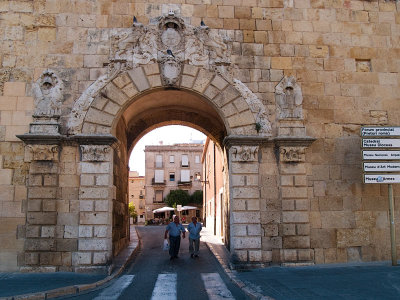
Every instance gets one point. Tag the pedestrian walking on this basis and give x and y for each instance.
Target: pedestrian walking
(194, 229)
(174, 229)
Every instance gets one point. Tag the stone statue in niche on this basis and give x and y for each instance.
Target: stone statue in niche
(47, 91)
(289, 99)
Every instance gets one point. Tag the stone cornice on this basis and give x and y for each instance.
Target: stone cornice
(41, 138)
(57, 139)
(294, 141)
(232, 140)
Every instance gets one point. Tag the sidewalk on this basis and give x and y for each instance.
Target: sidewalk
(30, 285)
(356, 281)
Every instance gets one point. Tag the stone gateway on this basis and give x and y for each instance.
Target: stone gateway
(282, 87)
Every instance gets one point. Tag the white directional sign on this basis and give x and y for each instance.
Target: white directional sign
(382, 167)
(381, 143)
(380, 131)
(381, 178)
(380, 155)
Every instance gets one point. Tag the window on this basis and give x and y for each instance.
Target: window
(159, 176)
(171, 159)
(171, 176)
(185, 175)
(185, 161)
(159, 161)
(159, 196)
(197, 159)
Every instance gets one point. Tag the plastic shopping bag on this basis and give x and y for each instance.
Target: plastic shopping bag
(166, 245)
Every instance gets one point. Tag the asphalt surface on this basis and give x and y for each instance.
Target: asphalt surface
(151, 260)
(356, 282)
(135, 280)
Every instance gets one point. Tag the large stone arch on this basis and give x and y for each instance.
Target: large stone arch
(106, 99)
(189, 69)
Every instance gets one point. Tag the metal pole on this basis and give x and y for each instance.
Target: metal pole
(392, 227)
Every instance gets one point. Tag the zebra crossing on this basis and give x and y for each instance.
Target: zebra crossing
(166, 287)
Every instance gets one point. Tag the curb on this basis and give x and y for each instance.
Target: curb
(76, 289)
(232, 275)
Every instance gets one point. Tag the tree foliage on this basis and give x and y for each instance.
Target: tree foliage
(177, 197)
(132, 210)
(197, 197)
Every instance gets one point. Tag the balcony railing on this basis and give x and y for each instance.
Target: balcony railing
(187, 183)
(153, 182)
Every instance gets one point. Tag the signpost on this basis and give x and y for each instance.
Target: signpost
(385, 167)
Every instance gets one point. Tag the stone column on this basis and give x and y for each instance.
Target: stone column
(96, 194)
(244, 191)
(41, 252)
(295, 223)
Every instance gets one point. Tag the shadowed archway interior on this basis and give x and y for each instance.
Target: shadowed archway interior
(170, 107)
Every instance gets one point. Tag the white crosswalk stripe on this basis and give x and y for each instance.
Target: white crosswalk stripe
(215, 286)
(115, 290)
(165, 288)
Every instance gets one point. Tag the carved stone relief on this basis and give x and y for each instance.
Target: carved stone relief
(95, 153)
(244, 153)
(257, 108)
(42, 152)
(170, 42)
(289, 99)
(198, 46)
(292, 154)
(48, 95)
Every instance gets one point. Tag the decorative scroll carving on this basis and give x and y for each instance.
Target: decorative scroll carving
(244, 153)
(289, 99)
(256, 107)
(95, 152)
(292, 154)
(48, 94)
(43, 152)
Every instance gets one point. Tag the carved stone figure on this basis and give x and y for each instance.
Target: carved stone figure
(48, 95)
(289, 99)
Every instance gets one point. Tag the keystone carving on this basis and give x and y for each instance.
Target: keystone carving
(292, 154)
(48, 95)
(289, 99)
(95, 152)
(244, 153)
(42, 152)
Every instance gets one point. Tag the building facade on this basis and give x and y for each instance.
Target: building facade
(171, 167)
(282, 87)
(216, 204)
(137, 195)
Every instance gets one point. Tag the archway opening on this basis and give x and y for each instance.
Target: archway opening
(154, 110)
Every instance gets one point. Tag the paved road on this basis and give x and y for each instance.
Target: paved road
(153, 276)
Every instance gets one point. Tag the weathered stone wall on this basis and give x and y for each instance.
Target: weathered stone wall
(343, 54)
